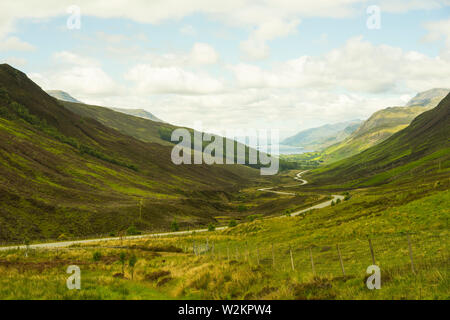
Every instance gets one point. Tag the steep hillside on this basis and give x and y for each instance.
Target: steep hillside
(150, 131)
(62, 174)
(321, 137)
(420, 149)
(138, 127)
(382, 124)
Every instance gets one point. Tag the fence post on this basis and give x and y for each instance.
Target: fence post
(371, 251)
(340, 259)
(312, 261)
(273, 257)
(411, 255)
(292, 259)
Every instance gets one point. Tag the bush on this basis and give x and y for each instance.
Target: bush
(211, 227)
(338, 201)
(96, 256)
(132, 231)
(174, 226)
(242, 208)
(232, 223)
(332, 203)
(347, 197)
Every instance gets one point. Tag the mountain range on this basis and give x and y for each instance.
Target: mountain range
(65, 174)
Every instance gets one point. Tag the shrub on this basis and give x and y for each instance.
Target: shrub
(242, 208)
(131, 231)
(122, 258)
(174, 226)
(232, 223)
(347, 197)
(131, 263)
(96, 256)
(338, 201)
(332, 203)
(211, 227)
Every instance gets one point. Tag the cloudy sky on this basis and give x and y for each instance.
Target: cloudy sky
(277, 64)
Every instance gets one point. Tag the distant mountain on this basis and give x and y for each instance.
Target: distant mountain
(138, 113)
(323, 136)
(432, 96)
(62, 95)
(382, 124)
(420, 149)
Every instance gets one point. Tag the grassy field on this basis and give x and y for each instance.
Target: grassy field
(239, 262)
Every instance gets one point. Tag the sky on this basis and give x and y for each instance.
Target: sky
(270, 64)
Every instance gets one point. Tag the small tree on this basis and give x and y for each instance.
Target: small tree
(131, 263)
(211, 227)
(332, 203)
(122, 258)
(338, 201)
(232, 223)
(174, 226)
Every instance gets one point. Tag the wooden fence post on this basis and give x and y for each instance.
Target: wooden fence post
(312, 261)
(340, 259)
(411, 255)
(292, 259)
(371, 251)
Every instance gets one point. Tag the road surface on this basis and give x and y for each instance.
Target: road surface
(62, 244)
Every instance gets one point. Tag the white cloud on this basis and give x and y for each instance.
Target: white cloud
(151, 79)
(203, 53)
(15, 44)
(256, 46)
(188, 30)
(78, 75)
(357, 66)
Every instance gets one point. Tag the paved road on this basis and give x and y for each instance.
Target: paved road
(62, 244)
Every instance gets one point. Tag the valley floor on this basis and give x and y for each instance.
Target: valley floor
(319, 254)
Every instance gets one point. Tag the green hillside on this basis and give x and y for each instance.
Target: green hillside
(323, 136)
(65, 175)
(420, 149)
(380, 126)
(151, 131)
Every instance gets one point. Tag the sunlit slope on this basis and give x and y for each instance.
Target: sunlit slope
(422, 148)
(382, 124)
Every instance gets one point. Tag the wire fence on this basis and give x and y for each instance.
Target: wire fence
(399, 252)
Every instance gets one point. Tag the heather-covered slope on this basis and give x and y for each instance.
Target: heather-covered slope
(64, 174)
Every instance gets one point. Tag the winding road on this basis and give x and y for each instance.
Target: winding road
(62, 244)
